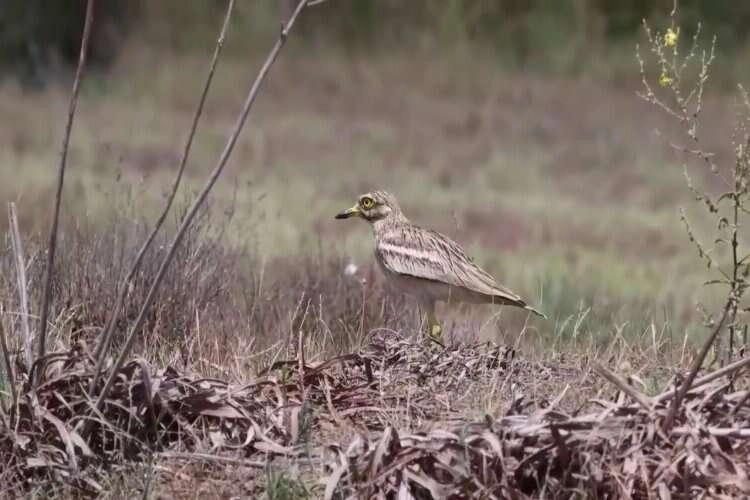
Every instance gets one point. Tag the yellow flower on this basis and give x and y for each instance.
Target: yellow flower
(665, 80)
(670, 38)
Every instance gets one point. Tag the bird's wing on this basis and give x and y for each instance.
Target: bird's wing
(427, 254)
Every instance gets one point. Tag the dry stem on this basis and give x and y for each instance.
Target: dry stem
(697, 362)
(8, 367)
(614, 379)
(223, 159)
(721, 372)
(106, 338)
(52, 243)
(23, 294)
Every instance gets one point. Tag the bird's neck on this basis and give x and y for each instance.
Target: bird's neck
(382, 225)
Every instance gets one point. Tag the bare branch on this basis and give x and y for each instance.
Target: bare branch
(223, 159)
(106, 337)
(52, 243)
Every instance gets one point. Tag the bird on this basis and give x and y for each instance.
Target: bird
(425, 263)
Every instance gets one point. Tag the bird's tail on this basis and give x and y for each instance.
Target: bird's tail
(514, 300)
(538, 313)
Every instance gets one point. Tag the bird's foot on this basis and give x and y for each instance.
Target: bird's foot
(436, 335)
(436, 331)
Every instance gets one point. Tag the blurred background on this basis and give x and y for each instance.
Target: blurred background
(511, 125)
(559, 36)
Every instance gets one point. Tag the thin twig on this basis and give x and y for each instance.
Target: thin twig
(726, 370)
(697, 362)
(727, 432)
(223, 159)
(207, 457)
(8, 367)
(301, 361)
(106, 338)
(23, 295)
(615, 380)
(52, 243)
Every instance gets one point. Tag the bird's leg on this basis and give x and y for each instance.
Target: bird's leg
(435, 329)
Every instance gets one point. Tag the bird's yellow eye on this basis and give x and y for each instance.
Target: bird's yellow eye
(367, 203)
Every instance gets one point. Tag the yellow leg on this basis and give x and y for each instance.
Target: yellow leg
(436, 330)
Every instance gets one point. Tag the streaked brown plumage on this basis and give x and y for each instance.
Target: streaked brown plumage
(425, 263)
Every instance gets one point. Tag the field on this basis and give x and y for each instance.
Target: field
(557, 185)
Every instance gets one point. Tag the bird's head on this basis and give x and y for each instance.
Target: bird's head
(374, 206)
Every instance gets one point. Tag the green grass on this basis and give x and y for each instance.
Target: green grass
(281, 486)
(558, 186)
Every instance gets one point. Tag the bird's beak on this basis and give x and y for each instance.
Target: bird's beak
(351, 212)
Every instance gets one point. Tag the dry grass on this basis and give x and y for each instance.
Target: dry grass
(218, 299)
(220, 403)
(207, 376)
(620, 451)
(385, 418)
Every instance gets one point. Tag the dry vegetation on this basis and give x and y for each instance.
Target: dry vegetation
(264, 369)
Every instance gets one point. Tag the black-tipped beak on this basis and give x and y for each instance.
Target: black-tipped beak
(354, 211)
